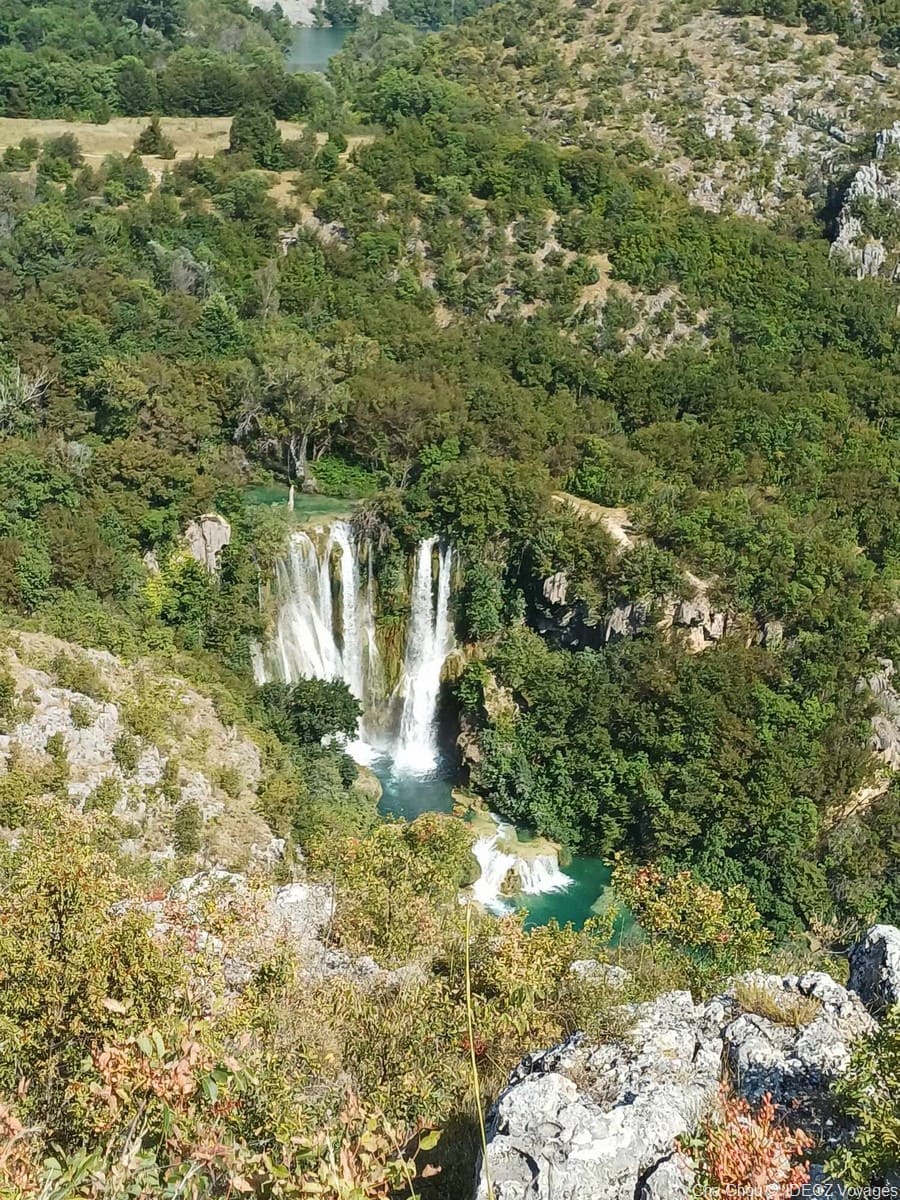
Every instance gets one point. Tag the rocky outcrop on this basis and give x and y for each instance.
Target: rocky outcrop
(627, 620)
(555, 587)
(137, 747)
(704, 626)
(875, 968)
(796, 1056)
(584, 1120)
(876, 185)
(197, 912)
(206, 538)
(885, 740)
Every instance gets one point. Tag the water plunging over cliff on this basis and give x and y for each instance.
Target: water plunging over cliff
(326, 596)
(429, 640)
(325, 628)
(313, 638)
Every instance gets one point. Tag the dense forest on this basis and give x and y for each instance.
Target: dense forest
(394, 288)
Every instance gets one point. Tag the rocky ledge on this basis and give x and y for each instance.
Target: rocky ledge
(585, 1120)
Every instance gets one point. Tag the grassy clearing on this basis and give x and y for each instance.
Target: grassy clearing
(189, 135)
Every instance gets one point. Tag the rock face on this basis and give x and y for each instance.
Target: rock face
(555, 588)
(206, 538)
(885, 739)
(794, 1064)
(584, 1121)
(703, 625)
(189, 758)
(875, 967)
(552, 1138)
(875, 185)
(626, 620)
(196, 909)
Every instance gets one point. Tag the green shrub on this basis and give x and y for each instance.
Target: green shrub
(187, 828)
(18, 787)
(231, 781)
(105, 796)
(7, 699)
(81, 714)
(20, 158)
(152, 140)
(169, 785)
(868, 1095)
(126, 752)
(336, 477)
(149, 713)
(77, 673)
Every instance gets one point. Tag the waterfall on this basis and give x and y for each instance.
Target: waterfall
(498, 853)
(429, 640)
(372, 665)
(325, 628)
(351, 649)
(304, 644)
(310, 639)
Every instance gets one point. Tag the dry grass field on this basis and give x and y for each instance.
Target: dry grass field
(190, 135)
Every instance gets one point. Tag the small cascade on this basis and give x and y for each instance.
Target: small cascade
(429, 640)
(498, 853)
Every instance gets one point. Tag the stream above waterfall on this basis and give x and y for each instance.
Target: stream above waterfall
(324, 598)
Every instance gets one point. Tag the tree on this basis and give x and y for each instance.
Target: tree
(20, 397)
(152, 140)
(311, 710)
(255, 132)
(296, 397)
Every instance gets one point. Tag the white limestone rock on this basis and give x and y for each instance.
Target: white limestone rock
(206, 538)
(583, 1121)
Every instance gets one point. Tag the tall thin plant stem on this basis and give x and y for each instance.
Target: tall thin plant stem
(476, 1085)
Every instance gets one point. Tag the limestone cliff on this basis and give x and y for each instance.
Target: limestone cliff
(585, 1120)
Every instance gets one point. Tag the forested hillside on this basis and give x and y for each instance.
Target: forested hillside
(502, 285)
(135, 57)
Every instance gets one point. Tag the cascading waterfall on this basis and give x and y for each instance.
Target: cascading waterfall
(429, 640)
(351, 645)
(325, 628)
(304, 644)
(310, 639)
(537, 873)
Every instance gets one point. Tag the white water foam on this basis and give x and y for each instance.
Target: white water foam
(537, 875)
(429, 640)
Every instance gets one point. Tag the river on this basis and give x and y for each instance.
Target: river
(314, 46)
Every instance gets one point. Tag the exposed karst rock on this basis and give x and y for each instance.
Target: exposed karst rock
(875, 967)
(626, 620)
(703, 625)
(885, 740)
(555, 588)
(297, 915)
(582, 1120)
(182, 755)
(206, 538)
(795, 1064)
(876, 185)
